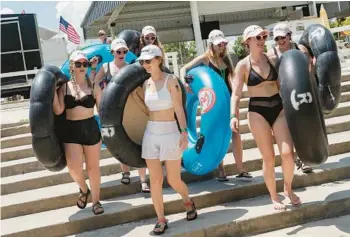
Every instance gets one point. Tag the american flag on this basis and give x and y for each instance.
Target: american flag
(70, 31)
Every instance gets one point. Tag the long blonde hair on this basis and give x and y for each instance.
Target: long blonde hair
(74, 82)
(210, 54)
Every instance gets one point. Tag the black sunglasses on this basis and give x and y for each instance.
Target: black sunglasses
(278, 38)
(101, 34)
(145, 61)
(150, 38)
(121, 51)
(79, 64)
(259, 37)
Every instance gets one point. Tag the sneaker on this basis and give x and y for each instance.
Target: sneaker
(244, 176)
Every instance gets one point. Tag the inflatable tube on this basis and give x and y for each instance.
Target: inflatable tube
(302, 108)
(320, 42)
(43, 122)
(124, 116)
(206, 150)
(132, 39)
(101, 51)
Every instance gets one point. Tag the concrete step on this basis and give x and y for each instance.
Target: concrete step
(126, 209)
(335, 227)
(250, 216)
(15, 167)
(16, 153)
(52, 197)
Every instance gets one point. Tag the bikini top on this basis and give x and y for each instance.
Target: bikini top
(255, 79)
(223, 73)
(159, 100)
(87, 101)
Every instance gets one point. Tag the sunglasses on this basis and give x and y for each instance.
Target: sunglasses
(145, 61)
(119, 52)
(101, 34)
(222, 44)
(259, 37)
(150, 38)
(79, 64)
(278, 38)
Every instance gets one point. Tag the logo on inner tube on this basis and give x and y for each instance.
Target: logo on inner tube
(303, 98)
(207, 98)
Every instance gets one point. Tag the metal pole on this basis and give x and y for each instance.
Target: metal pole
(314, 8)
(196, 27)
(339, 7)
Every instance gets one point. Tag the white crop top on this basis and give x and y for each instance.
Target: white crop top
(159, 100)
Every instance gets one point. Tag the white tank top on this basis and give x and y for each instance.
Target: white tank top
(159, 100)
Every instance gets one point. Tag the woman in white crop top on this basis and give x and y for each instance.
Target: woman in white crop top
(119, 49)
(162, 140)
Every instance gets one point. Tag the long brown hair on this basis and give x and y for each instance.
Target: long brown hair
(74, 82)
(210, 54)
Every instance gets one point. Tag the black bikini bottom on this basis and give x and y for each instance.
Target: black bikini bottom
(268, 107)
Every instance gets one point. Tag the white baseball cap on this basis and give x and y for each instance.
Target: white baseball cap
(101, 32)
(216, 37)
(149, 52)
(77, 55)
(118, 44)
(149, 30)
(281, 29)
(253, 31)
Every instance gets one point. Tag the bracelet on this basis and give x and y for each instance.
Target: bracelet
(183, 130)
(233, 116)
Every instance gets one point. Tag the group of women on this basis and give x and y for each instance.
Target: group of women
(163, 141)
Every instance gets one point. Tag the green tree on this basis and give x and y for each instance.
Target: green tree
(186, 50)
(239, 48)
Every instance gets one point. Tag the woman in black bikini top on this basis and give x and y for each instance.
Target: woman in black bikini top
(265, 113)
(80, 132)
(218, 59)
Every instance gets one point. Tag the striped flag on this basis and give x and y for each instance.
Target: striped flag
(70, 31)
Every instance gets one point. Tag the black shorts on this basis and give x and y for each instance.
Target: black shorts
(83, 132)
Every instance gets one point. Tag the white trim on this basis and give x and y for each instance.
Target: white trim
(9, 18)
(19, 73)
(20, 51)
(8, 22)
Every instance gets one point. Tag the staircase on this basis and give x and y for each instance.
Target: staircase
(39, 203)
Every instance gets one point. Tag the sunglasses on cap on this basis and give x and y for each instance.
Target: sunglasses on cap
(145, 61)
(119, 52)
(278, 38)
(150, 38)
(259, 37)
(79, 64)
(101, 34)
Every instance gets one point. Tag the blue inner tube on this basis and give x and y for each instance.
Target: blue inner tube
(207, 149)
(103, 53)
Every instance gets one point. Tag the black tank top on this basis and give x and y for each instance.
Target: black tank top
(255, 79)
(224, 74)
(70, 102)
(276, 53)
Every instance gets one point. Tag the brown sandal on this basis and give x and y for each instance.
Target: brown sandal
(83, 197)
(191, 212)
(97, 208)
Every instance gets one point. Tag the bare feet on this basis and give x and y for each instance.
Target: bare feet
(294, 199)
(278, 205)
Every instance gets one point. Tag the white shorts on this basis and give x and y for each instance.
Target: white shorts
(161, 141)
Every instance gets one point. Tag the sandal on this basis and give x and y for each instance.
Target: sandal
(97, 208)
(161, 225)
(83, 198)
(189, 214)
(306, 169)
(244, 176)
(222, 178)
(144, 187)
(125, 178)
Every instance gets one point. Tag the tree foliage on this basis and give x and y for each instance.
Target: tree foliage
(186, 49)
(239, 48)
